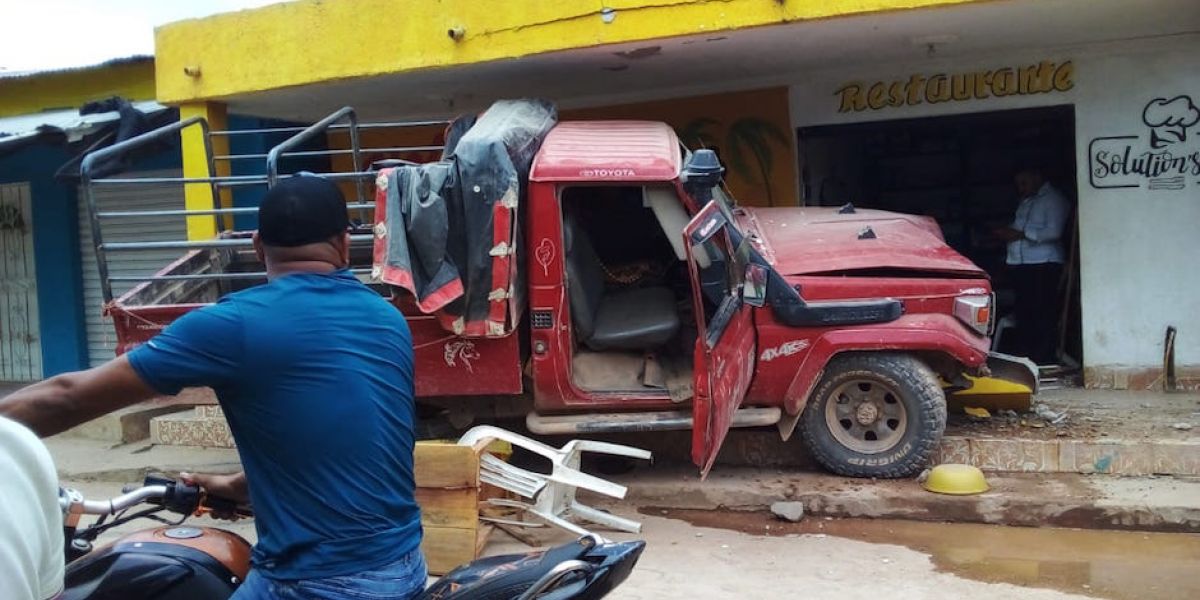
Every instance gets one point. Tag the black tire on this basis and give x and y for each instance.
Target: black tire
(906, 385)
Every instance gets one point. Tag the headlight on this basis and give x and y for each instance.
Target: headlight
(975, 311)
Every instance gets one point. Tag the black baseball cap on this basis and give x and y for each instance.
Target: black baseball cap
(302, 209)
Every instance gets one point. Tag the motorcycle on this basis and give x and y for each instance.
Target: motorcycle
(180, 562)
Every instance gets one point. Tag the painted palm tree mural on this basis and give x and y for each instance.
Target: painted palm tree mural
(748, 146)
(698, 133)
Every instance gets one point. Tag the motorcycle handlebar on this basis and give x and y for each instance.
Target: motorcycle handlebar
(73, 502)
(172, 495)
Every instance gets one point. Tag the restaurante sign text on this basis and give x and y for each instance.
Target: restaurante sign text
(1041, 78)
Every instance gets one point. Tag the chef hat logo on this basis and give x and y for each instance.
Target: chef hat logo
(1169, 120)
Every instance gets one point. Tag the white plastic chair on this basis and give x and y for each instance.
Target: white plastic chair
(553, 494)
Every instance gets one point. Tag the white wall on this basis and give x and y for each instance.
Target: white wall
(1140, 248)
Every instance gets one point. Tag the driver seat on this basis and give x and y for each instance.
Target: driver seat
(634, 319)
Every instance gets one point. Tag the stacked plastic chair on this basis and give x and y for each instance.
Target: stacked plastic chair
(551, 496)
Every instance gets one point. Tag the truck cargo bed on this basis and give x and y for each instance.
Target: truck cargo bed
(446, 364)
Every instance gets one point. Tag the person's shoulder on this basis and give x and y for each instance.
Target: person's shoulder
(17, 433)
(17, 440)
(226, 307)
(1050, 191)
(220, 318)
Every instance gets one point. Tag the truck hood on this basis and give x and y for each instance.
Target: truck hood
(811, 240)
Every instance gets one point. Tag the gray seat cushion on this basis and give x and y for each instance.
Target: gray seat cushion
(637, 319)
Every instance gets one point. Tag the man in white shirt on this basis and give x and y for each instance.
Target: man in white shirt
(1035, 258)
(31, 529)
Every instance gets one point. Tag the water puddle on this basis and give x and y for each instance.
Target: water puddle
(1107, 564)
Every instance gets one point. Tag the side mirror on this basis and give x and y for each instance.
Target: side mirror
(754, 291)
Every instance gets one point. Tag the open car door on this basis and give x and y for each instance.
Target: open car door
(725, 348)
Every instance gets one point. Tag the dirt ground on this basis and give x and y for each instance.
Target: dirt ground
(714, 555)
(687, 561)
(1110, 414)
(720, 556)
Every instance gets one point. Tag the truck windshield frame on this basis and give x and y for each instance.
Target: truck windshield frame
(713, 240)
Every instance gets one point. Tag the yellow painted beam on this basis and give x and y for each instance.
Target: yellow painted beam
(72, 88)
(199, 196)
(312, 41)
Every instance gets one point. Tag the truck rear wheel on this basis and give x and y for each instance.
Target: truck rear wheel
(875, 415)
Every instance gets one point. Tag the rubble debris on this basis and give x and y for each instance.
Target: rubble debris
(978, 414)
(788, 511)
(1050, 416)
(791, 492)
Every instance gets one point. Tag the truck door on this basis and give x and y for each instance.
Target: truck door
(725, 347)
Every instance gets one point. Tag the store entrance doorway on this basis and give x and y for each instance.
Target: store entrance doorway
(959, 170)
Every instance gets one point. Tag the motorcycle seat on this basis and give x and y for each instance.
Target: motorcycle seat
(509, 576)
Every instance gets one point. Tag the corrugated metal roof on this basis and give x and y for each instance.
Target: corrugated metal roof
(608, 150)
(137, 58)
(69, 122)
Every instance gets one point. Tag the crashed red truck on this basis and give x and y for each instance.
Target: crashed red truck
(600, 280)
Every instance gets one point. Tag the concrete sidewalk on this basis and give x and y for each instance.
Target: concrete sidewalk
(81, 459)
(1168, 504)
(1097, 431)
(1067, 500)
(1102, 431)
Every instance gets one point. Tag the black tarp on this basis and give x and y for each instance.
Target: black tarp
(449, 232)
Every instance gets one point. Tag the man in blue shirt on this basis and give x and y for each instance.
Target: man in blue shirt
(314, 372)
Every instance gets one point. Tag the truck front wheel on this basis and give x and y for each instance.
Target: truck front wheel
(875, 415)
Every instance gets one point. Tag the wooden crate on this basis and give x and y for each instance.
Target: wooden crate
(449, 493)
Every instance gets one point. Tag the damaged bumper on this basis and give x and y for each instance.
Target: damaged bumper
(1013, 370)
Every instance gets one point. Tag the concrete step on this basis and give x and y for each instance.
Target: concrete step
(1138, 457)
(129, 424)
(203, 426)
(1124, 457)
(1164, 504)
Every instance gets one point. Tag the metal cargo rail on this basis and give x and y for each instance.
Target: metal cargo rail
(228, 239)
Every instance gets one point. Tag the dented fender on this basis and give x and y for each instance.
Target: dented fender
(919, 332)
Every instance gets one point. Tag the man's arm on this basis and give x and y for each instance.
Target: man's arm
(229, 487)
(202, 348)
(1007, 234)
(64, 401)
(1054, 211)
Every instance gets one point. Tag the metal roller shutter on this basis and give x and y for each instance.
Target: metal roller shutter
(101, 338)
